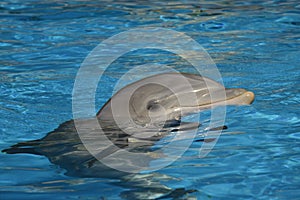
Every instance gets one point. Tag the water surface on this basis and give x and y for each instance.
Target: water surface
(254, 44)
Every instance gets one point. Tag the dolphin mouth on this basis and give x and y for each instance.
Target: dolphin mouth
(233, 97)
(244, 97)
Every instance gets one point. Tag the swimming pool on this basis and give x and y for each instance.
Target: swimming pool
(255, 45)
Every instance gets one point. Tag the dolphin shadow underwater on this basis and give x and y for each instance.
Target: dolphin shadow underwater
(64, 147)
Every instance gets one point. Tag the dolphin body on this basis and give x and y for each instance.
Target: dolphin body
(149, 105)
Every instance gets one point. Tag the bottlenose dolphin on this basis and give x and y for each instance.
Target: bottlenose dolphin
(149, 103)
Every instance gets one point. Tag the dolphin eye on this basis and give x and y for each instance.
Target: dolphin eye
(153, 106)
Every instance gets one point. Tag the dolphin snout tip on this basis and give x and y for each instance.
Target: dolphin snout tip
(239, 96)
(249, 97)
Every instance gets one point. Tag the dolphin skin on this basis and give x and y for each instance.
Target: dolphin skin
(64, 147)
(157, 101)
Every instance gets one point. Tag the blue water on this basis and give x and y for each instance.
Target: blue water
(255, 45)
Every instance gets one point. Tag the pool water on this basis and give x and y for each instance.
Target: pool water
(255, 45)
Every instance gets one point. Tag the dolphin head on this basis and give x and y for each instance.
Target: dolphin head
(168, 97)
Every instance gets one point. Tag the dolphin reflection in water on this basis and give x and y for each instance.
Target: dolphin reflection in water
(149, 103)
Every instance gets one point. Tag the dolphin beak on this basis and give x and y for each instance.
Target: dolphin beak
(234, 96)
(239, 97)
